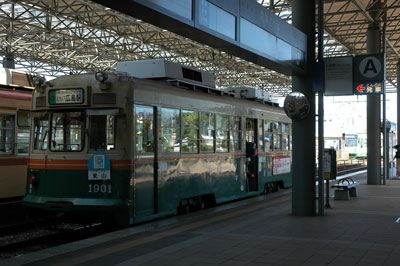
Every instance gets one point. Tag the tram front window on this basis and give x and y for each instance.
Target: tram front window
(67, 131)
(101, 133)
(40, 131)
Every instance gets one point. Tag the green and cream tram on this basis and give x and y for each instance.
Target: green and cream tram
(110, 144)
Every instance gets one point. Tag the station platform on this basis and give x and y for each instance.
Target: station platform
(260, 231)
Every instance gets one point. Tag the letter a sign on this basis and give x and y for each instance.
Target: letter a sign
(369, 68)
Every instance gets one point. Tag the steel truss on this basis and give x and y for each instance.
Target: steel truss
(56, 37)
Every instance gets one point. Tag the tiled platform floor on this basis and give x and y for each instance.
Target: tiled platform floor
(362, 231)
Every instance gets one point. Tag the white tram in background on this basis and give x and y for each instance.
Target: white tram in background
(15, 104)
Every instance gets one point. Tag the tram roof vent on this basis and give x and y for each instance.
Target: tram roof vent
(250, 93)
(14, 78)
(163, 69)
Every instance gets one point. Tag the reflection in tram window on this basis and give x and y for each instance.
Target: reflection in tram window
(6, 133)
(276, 127)
(144, 129)
(207, 129)
(236, 134)
(285, 137)
(267, 136)
(190, 124)
(285, 128)
(285, 142)
(170, 130)
(267, 126)
(250, 130)
(102, 132)
(23, 131)
(277, 142)
(222, 126)
(260, 135)
(40, 132)
(267, 142)
(67, 131)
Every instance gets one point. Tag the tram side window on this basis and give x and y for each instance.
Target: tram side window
(102, 132)
(277, 131)
(236, 134)
(144, 129)
(267, 136)
(67, 131)
(170, 130)
(260, 145)
(222, 126)
(23, 131)
(6, 133)
(285, 137)
(207, 132)
(40, 132)
(190, 131)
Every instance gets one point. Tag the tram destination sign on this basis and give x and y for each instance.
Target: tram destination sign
(66, 96)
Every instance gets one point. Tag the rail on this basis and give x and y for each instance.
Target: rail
(351, 162)
(348, 166)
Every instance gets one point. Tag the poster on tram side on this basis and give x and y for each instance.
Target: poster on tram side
(281, 165)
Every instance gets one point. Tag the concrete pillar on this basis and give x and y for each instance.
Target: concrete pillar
(373, 114)
(303, 152)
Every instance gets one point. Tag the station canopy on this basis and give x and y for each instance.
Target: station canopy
(57, 37)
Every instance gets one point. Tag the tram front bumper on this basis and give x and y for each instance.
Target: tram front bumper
(74, 204)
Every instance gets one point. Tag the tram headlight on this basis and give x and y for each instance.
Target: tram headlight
(101, 77)
(38, 81)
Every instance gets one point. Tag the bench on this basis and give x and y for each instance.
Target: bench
(345, 189)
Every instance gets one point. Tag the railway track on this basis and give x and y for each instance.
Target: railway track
(44, 236)
(349, 166)
(21, 233)
(24, 232)
(351, 170)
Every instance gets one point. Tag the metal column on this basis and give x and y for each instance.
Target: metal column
(385, 132)
(8, 61)
(373, 115)
(303, 195)
(398, 110)
(321, 136)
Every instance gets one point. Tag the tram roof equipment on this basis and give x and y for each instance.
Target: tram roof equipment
(15, 79)
(163, 69)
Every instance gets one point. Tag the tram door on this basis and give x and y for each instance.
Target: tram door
(144, 174)
(251, 155)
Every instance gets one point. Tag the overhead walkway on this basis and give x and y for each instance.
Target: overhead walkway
(361, 231)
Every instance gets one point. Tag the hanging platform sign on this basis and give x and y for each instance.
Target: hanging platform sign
(369, 74)
(99, 167)
(370, 67)
(339, 76)
(362, 74)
